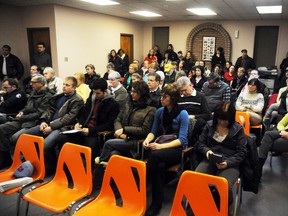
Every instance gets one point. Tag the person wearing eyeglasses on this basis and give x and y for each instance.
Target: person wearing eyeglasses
(26, 118)
(117, 89)
(169, 119)
(195, 104)
(252, 102)
(12, 99)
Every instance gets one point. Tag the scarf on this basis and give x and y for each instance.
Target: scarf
(168, 119)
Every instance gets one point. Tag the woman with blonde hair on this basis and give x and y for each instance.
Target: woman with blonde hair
(82, 89)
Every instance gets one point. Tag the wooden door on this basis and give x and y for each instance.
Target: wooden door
(36, 35)
(126, 43)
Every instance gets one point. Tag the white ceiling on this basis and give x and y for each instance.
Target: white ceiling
(173, 10)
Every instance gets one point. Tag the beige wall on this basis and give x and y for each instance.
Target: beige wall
(12, 32)
(17, 20)
(87, 38)
(180, 30)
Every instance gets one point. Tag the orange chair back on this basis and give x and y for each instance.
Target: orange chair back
(58, 194)
(75, 159)
(121, 169)
(195, 187)
(129, 175)
(30, 148)
(243, 119)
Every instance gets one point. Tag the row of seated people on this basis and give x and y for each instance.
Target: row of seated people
(215, 89)
(48, 116)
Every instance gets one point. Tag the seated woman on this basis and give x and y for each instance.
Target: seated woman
(252, 102)
(226, 137)
(128, 77)
(198, 79)
(277, 138)
(133, 123)
(229, 75)
(239, 81)
(169, 119)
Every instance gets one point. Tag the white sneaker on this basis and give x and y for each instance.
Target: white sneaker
(97, 160)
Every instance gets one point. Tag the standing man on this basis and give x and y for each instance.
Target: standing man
(245, 61)
(10, 65)
(41, 58)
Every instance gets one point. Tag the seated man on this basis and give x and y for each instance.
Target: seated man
(34, 70)
(55, 84)
(98, 115)
(215, 90)
(12, 99)
(60, 114)
(195, 104)
(26, 118)
(155, 91)
(117, 88)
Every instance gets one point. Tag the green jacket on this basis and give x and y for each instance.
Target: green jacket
(283, 124)
(37, 103)
(136, 121)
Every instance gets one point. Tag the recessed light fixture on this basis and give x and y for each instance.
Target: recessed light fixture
(269, 9)
(202, 11)
(145, 13)
(101, 2)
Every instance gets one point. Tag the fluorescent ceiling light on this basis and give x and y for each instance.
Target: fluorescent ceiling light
(269, 9)
(145, 13)
(201, 11)
(102, 2)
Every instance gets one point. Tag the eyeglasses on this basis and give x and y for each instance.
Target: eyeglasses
(133, 92)
(252, 84)
(183, 90)
(6, 87)
(164, 96)
(33, 82)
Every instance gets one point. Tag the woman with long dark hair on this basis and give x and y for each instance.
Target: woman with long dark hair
(225, 137)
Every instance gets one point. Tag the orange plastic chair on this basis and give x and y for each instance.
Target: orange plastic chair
(30, 148)
(243, 119)
(129, 176)
(59, 194)
(195, 187)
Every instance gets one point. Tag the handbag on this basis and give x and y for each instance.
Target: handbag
(165, 138)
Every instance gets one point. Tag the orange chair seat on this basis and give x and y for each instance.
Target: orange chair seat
(100, 206)
(26, 145)
(124, 172)
(53, 197)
